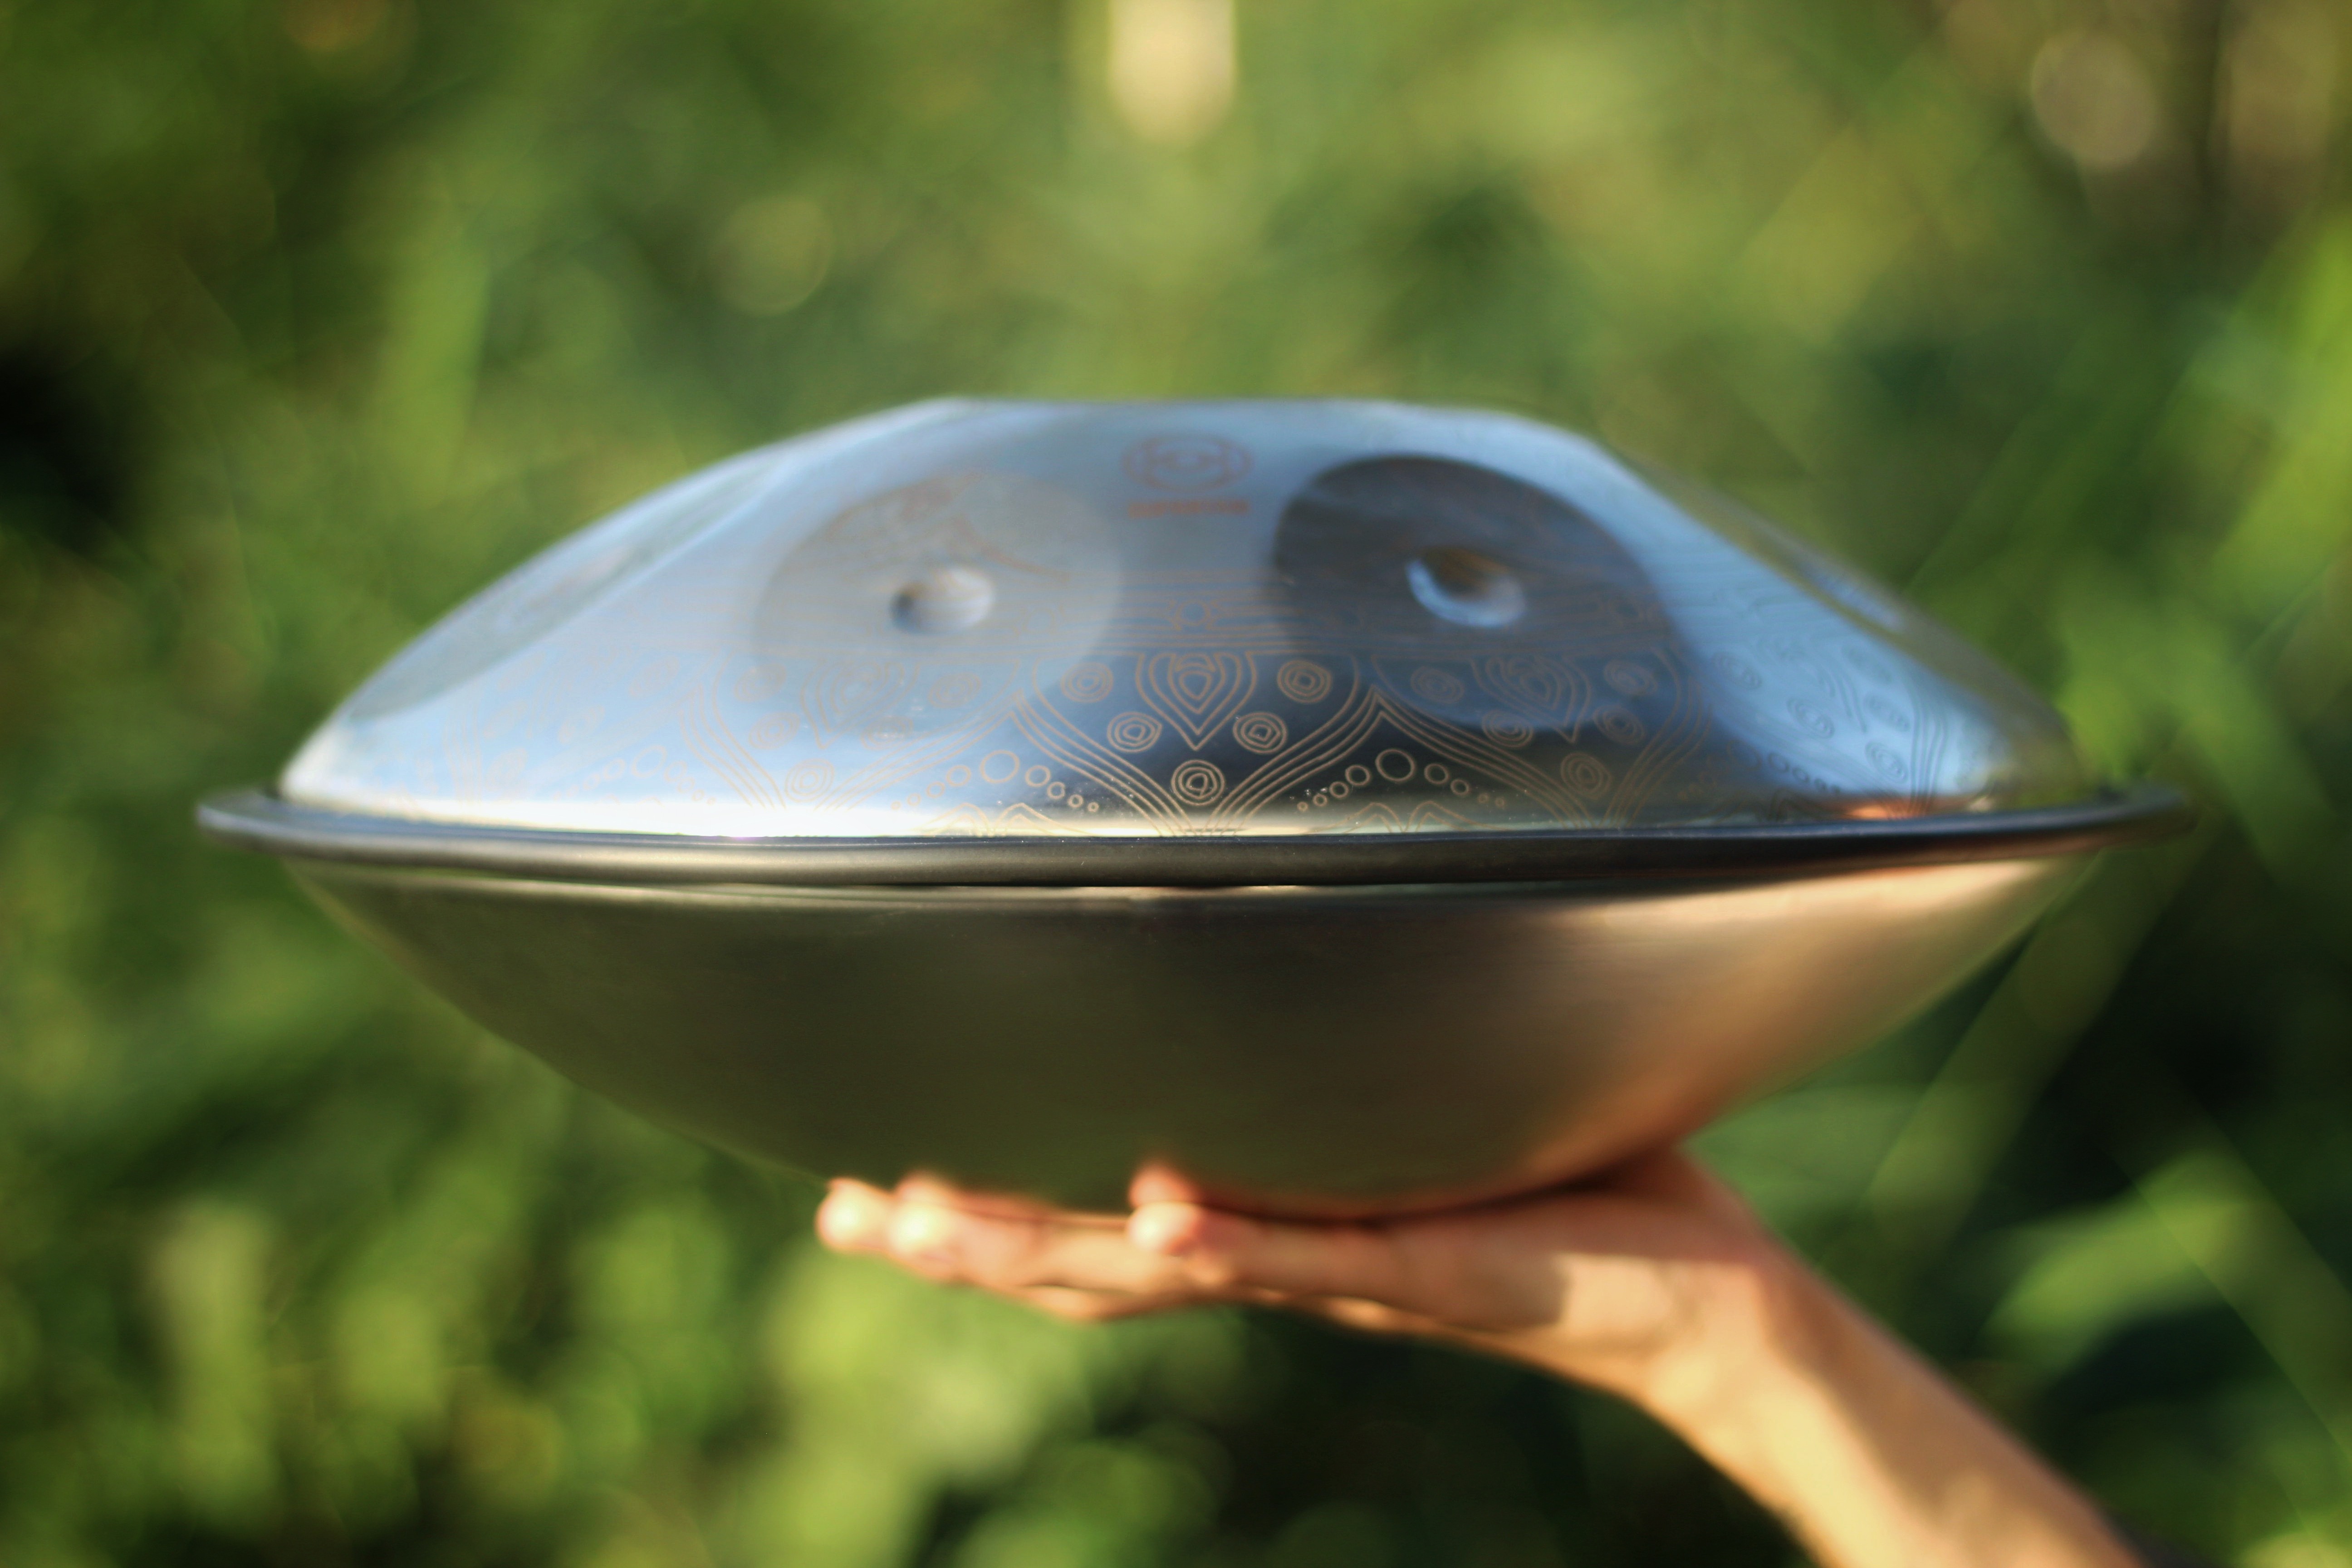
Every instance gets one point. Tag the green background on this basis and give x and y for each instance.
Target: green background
(315, 317)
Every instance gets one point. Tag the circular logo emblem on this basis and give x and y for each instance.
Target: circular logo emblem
(1186, 462)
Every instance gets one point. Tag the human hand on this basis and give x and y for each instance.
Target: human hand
(1653, 1282)
(1649, 1273)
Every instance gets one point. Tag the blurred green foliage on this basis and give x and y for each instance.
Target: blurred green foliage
(315, 316)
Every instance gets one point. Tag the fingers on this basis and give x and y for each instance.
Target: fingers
(1063, 1262)
(854, 1217)
(1503, 1267)
(1166, 1254)
(1160, 1183)
(1224, 1251)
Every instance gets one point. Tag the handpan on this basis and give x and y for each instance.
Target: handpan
(1352, 806)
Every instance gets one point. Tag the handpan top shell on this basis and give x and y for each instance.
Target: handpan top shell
(1181, 620)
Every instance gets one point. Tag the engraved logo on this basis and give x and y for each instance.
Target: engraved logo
(1186, 462)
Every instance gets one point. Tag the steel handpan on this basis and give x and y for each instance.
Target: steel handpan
(1351, 805)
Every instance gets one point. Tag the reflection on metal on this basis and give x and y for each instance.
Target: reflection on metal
(254, 819)
(1465, 586)
(1258, 619)
(1302, 1049)
(944, 599)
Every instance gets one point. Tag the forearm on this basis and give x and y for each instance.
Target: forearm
(1659, 1287)
(1870, 1456)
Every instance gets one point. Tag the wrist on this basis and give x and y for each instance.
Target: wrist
(1697, 1343)
(1762, 1327)
(1861, 1449)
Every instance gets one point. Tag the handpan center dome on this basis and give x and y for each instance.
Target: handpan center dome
(1212, 618)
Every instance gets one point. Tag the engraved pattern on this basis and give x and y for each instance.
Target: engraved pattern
(1265, 668)
(1197, 690)
(1262, 732)
(1302, 680)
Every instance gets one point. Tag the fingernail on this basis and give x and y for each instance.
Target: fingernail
(923, 1230)
(849, 1218)
(1165, 1228)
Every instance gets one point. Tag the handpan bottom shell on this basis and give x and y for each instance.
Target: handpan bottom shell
(1324, 1050)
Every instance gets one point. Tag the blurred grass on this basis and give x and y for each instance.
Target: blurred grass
(315, 316)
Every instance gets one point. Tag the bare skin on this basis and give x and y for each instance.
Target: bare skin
(1654, 1284)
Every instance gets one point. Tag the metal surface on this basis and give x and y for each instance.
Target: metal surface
(1224, 620)
(254, 820)
(1327, 1050)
